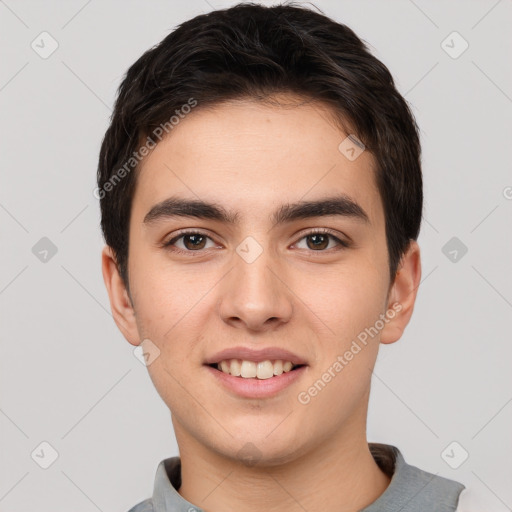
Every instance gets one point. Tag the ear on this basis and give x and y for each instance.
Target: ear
(402, 294)
(120, 302)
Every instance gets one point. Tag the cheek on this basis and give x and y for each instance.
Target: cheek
(346, 300)
(166, 296)
(342, 374)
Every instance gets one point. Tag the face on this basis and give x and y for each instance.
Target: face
(256, 274)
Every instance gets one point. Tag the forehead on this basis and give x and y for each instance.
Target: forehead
(252, 157)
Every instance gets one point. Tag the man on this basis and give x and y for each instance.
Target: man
(261, 198)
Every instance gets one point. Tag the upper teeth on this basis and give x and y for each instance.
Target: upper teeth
(250, 369)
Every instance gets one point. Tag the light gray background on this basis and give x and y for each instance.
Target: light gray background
(69, 378)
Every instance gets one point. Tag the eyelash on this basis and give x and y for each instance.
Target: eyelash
(321, 231)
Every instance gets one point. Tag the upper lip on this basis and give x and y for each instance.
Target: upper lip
(256, 355)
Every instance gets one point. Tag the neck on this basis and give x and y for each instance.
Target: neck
(338, 474)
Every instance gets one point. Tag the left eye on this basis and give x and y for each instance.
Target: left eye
(319, 241)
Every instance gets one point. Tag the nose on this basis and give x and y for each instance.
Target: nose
(255, 296)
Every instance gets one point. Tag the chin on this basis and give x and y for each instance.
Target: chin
(261, 451)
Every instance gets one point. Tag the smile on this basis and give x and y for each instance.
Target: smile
(255, 370)
(251, 386)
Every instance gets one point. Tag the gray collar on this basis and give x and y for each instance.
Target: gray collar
(410, 489)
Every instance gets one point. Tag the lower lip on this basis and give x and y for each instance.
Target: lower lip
(257, 388)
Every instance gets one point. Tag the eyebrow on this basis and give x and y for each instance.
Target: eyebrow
(341, 205)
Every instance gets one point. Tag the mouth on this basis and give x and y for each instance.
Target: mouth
(246, 372)
(260, 370)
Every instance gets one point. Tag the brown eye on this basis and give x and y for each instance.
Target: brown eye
(318, 241)
(192, 241)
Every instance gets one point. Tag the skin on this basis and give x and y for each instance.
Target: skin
(251, 158)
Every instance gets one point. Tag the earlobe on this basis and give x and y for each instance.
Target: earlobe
(120, 302)
(402, 295)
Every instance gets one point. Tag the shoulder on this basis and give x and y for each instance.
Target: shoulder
(423, 487)
(412, 489)
(167, 480)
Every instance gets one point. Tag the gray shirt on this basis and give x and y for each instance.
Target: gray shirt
(410, 489)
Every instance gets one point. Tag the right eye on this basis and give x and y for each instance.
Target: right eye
(192, 241)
